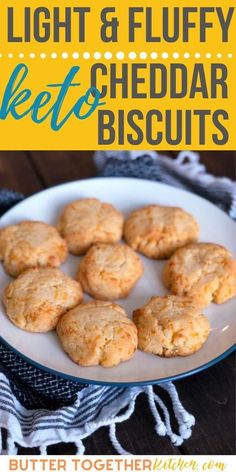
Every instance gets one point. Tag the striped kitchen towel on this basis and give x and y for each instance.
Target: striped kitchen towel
(38, 409)
(184, 172)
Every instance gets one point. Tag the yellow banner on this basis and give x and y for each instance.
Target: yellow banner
(139, 74)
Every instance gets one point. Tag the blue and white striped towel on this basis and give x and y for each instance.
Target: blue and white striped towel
(38, 409)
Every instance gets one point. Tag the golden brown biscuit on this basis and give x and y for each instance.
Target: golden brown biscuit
(109, 271)
(157, 231)
(98, 333)
(88, 221)
(37, 298)
(205, 271)
(171, 326)
(31, 244)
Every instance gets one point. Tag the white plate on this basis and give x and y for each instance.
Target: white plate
(44, 350)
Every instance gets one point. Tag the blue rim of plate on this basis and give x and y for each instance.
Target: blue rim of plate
(122, 384)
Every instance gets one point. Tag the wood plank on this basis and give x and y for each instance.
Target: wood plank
(58, 167)
(220, 163)
(16, 173)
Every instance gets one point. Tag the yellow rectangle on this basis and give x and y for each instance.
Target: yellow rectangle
(167, 86)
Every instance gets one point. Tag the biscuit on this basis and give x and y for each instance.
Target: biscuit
(205, 271)
(157, 231)
(31, 244)
(37, 298)
(109, 271)
(171, 326)
(98, 333)
(88, 221)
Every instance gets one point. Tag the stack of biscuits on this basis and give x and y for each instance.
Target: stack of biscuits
(42, 298)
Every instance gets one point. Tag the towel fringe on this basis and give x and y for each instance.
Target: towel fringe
(162, 426)
(80, 449)
(115, 442)
(43, 450)
(11, 446)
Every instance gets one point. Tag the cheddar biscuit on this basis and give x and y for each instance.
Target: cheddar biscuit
(38, 297)
(88, 221)
(157, 231)
(171, 326)
(98, 333)
(109, 271)
(205, 271)
(31, 244)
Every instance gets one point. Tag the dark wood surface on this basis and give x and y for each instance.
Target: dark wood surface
(209, 395)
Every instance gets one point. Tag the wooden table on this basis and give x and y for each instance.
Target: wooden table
(208, 395)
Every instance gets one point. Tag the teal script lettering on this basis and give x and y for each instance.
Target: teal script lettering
(19, 102)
